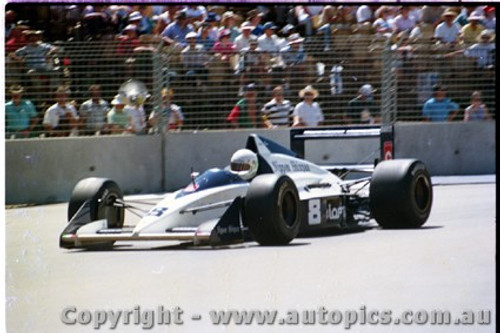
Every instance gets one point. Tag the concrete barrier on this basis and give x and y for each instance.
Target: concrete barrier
(45, 170)
(448, 148)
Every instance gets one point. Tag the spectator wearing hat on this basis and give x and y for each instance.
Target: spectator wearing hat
(195, 13)
(176, 31)
(439, 108)
(167, 116)
(490, 19)
(20, 114)
(269, 42)
(118, 118)
(293, 54)
(483, 50)
(204, 37)
(287, 30)
(213, 19)
(447, 32)
(93, 112)
(463, 15)
(142, 21)
(470, 31)
(195, 60)
(244, 113)
(128, 41)
(278, 111)
(224, 48)
(308, 112)
(254, 16)
(362, 108)
(294, 57)
(60, 119)
(227, 23)
(243, 40)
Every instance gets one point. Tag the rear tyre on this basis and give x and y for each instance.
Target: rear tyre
(400, 194)
(272, 209)
(102, 194)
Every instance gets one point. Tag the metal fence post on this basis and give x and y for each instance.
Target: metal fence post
(388, 86)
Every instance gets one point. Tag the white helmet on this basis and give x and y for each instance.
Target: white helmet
(244, 163)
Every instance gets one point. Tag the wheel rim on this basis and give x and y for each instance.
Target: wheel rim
(422, 193)
(289, 209)
(109, 211)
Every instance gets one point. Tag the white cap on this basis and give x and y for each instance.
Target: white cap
(191, 34)
(119, 99)
(366, 90)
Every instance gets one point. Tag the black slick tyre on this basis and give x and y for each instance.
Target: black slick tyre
(401, 194)
(102, 194)
(272, 209)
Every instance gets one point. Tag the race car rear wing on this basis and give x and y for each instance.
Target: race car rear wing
(298, 136)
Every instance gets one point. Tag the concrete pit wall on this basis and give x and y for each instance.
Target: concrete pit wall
(449, 148)
(45, 170)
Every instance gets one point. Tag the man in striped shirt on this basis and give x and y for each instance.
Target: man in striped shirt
(278, 111)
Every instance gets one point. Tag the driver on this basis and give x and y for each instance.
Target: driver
(244, 163)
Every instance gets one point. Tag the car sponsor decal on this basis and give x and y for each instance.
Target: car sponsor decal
(327, 210)
(158, 211)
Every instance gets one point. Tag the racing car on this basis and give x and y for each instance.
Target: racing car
(268, 194)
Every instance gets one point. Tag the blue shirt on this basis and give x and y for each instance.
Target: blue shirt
(177, 33)
(18, 117)
(438, 110)
(34, 55)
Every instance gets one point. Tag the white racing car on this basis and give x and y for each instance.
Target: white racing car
(267, 194)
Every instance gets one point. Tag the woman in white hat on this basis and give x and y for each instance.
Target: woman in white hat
(471, 30)
(308, 112)
(118, 118)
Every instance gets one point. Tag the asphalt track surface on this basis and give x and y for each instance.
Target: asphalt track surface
(449, 264)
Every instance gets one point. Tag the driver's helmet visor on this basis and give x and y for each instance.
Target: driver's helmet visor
(235, 166)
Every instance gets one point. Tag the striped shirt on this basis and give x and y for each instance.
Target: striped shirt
(278, 113)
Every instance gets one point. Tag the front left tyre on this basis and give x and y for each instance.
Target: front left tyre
(103, 196)
(272, 209)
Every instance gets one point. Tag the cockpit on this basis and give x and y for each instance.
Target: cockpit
(209, 179)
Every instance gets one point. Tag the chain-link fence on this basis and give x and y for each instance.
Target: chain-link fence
(207, 85)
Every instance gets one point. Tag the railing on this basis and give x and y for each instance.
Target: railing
(402, 78)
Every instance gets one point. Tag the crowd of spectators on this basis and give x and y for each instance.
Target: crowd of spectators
(264, 50)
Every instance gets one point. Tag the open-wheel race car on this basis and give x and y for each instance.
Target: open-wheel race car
(267, 194)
